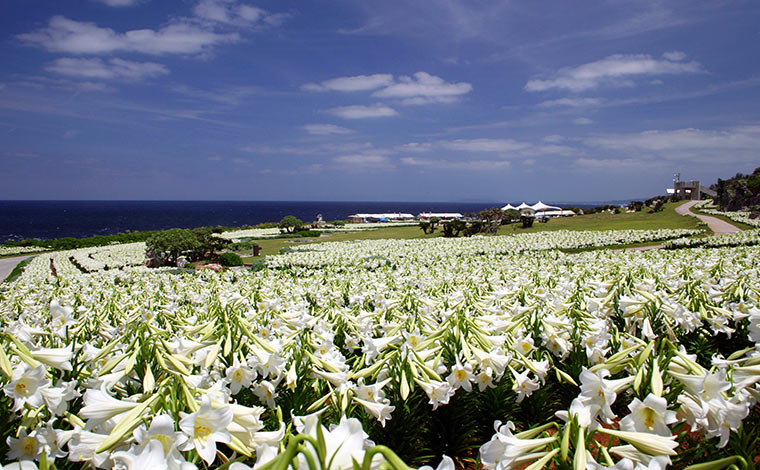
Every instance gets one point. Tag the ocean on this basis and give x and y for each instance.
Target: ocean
(56, 219)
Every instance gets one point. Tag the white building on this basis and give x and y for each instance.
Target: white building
(425, 216)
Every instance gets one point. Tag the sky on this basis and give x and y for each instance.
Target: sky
(392, 100)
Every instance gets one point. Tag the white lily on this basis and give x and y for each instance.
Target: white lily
(205, 428)
(651, 415)
(26, 386)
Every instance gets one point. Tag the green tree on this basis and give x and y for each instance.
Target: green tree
(290, 224)
(165, 247)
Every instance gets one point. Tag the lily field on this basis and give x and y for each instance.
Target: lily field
(498, 352)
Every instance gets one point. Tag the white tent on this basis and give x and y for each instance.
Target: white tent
(523, 206)
(509, 207)
(540, 206)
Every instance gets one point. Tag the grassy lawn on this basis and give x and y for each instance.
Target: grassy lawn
(272, 246)
(668, 218)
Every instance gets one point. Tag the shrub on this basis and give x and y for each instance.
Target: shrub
(230, 259)
(308, 233)
(290, 224)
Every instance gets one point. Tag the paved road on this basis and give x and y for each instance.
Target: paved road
(7, 265)
(718, 226)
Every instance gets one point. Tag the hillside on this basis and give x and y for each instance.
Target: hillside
(742, 192)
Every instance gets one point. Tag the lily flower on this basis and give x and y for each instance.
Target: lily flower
(439, 392)
(504, 450)
(523, 384)
(151, 456)
(205, 428)
(58, 358)
(99, 407)
(651, 444)
(461, 376)
(651, 415)
(239, 376)
(345, 443)
(26, 386)
(25, 447)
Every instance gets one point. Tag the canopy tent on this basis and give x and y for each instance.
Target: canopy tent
(509, 207)
(540, 206)
(523, 206)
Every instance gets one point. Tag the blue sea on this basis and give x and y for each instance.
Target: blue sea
(56, 219)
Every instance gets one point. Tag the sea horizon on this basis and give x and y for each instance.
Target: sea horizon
(48, 219)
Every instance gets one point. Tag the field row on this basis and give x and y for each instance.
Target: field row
(340, 352)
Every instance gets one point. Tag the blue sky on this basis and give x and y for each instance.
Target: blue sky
(441, 100)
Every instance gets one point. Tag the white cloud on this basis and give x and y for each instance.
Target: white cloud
(106, 70)
(621, 164)
(471, 165)
(737, 138)
(363, 112)
(234, 13)
(674, 55)
(326, 129)
(613, 70)
(571, 102)
(583, 121)
(76, 37)
(355, 83)
(417, 147)
(119, 3)
(226, 95)
(362, 161)
(484, 145)
(554, 138)
(423, 88)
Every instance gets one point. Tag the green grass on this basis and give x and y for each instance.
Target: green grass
(643, 220)
(273, 246)
(668, 218)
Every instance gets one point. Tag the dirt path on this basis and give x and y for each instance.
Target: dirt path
(718, 226)
(7, 265)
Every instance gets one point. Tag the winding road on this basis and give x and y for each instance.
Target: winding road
(7, 265)
(717, 225)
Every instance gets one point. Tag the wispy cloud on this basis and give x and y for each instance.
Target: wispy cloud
(78, 37)
(484, 145)
(583, 121)
(235, 13)
(737, 138)
(326, 129)
(354, 83)
(423, 88)
(362, 162)
(363, 112)
(234, 95)
(119, 3)
(469, 165)
(613, 70)
(571, 103)
(420, 88)
(110, 69)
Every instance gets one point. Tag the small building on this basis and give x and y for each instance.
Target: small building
(381, 217)
(425, 216)
(689, 190)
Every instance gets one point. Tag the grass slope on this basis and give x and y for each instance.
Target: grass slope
(668, 218)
